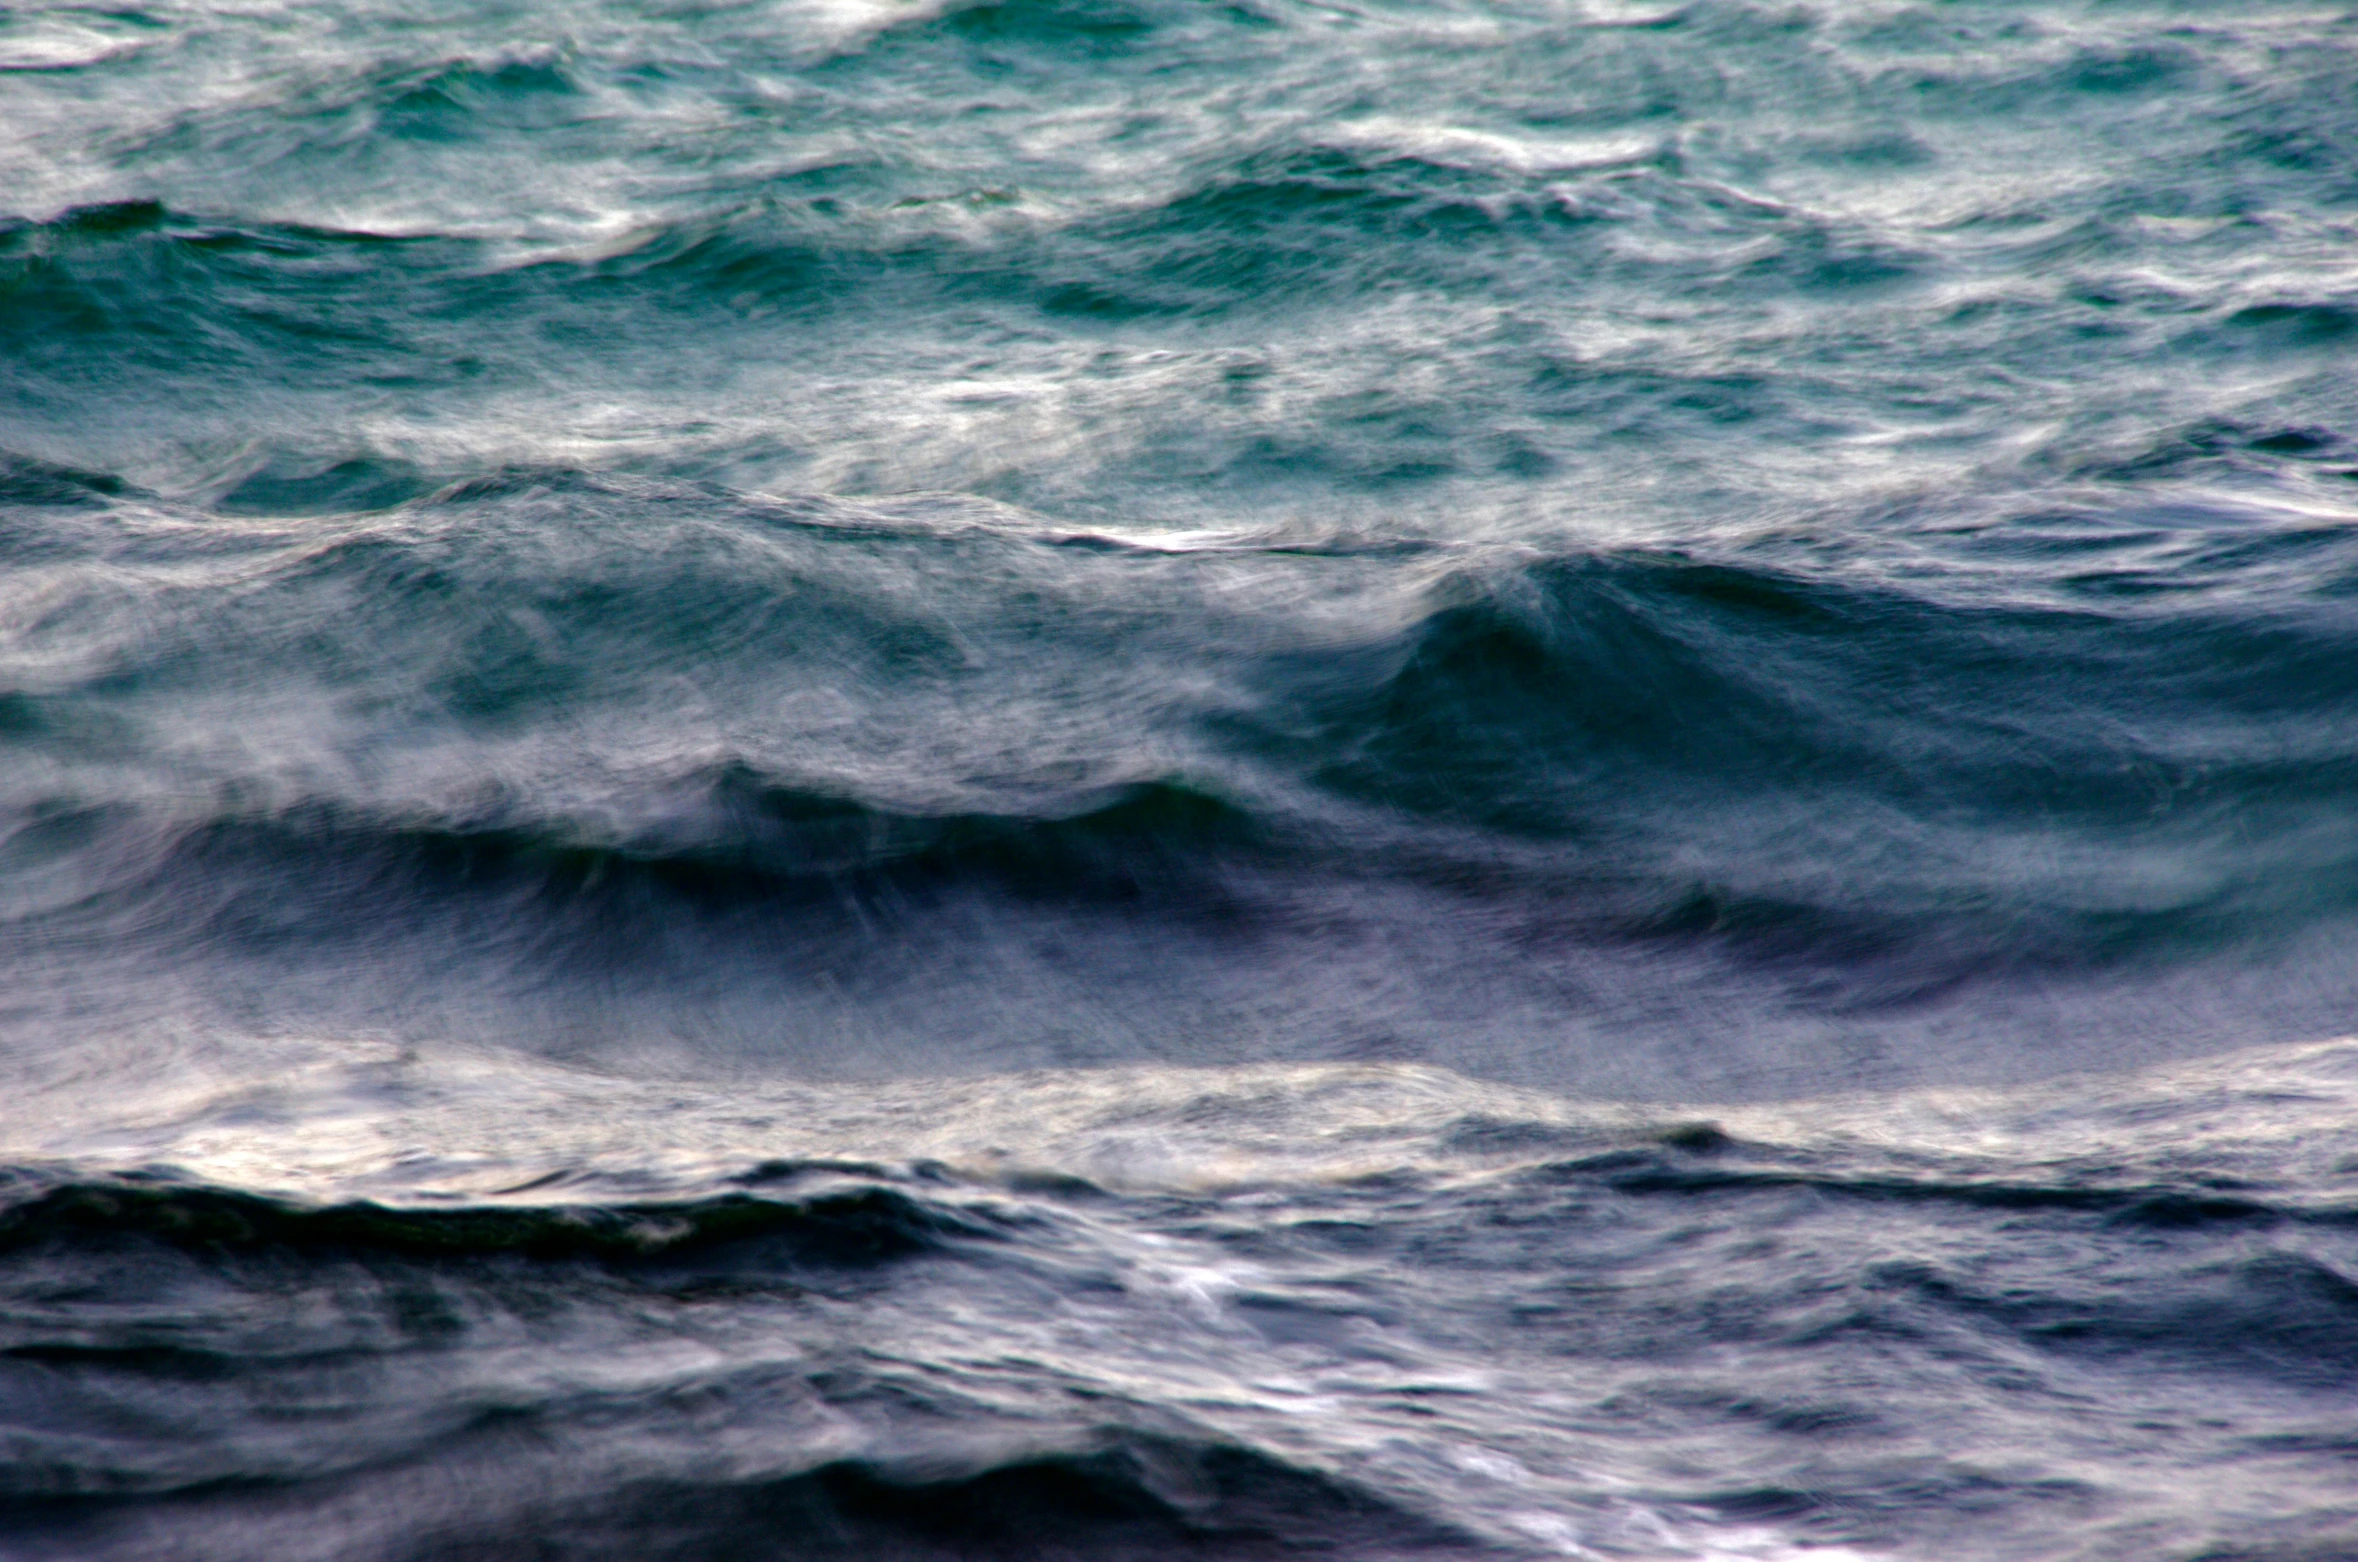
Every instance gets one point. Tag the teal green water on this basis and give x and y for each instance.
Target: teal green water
(651, 656)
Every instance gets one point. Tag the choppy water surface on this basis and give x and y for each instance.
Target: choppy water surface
(1156, 779)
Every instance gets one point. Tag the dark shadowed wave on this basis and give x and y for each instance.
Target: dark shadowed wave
(552, 729)
(883, 1349)
(1129, 1498)
(1639, 743)
(866, 1224)
(1116, 780)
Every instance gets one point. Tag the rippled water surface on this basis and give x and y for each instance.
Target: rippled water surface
(1139, 778)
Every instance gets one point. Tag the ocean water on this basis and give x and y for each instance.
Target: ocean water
(1120, 779)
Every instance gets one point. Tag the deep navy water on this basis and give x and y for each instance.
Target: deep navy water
(1089, 779)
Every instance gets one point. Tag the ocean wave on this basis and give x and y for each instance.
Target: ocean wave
(945, 779)
(1120, 1494)
(1245, 1312)
(617, 688)
(862, 1225)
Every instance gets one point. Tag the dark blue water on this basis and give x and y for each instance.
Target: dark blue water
(1146, 779)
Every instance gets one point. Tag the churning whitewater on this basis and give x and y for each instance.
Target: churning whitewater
(1120, 779)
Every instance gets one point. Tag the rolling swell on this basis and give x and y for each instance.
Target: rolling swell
(420, 1290)
(934, 780)
(516, 722)
(1570, 688)
(1568, 707)
(1292, 1349)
